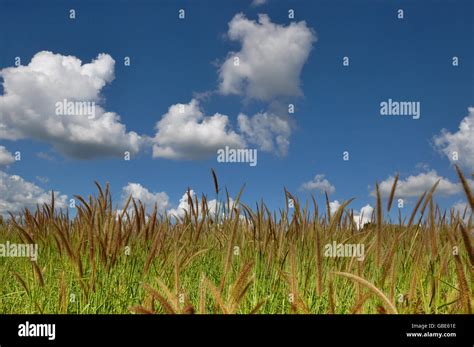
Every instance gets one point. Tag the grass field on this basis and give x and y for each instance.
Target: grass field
(239, 260)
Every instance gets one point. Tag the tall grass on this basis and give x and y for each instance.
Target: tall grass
(237, 259)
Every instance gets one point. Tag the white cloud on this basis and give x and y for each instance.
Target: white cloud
(214, 206)
(270, 132)
(16, 194)
(183, 206)
(462, 142)
(320, 184)
(364, 216)
(360, 218)
(6, 158)
(28, 106)
(256, 3)
(270, 60)
(185, 133)
(334, 206)
(149, 199)
(415, 186)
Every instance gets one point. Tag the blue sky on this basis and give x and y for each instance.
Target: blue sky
(407, 59)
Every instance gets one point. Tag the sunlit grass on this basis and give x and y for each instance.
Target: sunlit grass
(245, 261)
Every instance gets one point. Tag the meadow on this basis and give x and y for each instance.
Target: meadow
(239, 259)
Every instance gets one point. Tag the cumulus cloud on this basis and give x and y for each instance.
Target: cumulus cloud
(363, 216)
(183, 206)
(269, 132)
(320, 184)
(28, 107)
(16, 194)
(334, 206)
(214, 206)
(267, 68)
(461, 141)
(360, 218)
(416, 185)
(149, 199)
(6, 158)
(270, 60)
(184, 132)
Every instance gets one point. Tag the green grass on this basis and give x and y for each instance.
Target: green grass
(258, 263)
